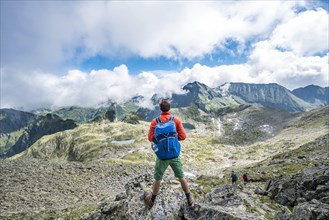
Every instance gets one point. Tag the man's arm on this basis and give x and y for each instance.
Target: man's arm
(180, 129)
(151, 130)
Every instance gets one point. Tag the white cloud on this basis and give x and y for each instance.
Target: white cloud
(289, 57)
(50, 34)
(38, 89)
(305, 34)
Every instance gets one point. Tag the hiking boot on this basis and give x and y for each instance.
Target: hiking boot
(190, 202)
(148, 200)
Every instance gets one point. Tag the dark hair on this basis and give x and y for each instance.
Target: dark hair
(165, 105)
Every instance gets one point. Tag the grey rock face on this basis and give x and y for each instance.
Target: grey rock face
(224, 196)
(260, 191)
(128, 205)
(313, 94)
(285, 214)
(221, 203)
(272, 94)
(311, 210)
(14, 120)
(308, 193)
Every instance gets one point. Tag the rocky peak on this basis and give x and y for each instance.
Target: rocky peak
(314, 94)
(194, 85)
(196, 93)
(272, 95)
(137, 99)
(13, 120)
(221, 203)
(198, 88)
(44, 125)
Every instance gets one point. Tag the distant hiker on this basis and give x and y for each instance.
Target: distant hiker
(234, 177)
(245, 178)
(165, 133)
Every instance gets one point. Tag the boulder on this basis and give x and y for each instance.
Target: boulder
(311, 210)
(220, 203)
(313, 183)
(306, 192)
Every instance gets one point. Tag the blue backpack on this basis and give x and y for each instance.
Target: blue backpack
(166, 139)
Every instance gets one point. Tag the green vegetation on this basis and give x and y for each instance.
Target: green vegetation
(90, 141)
(110, 115)
(2, 116)
(289, 162)
(7, 141)
(134, 158)
(188, 126)
(209, 182)
(131, 118)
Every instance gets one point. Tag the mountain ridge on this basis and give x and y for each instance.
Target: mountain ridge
(272, 95)
(198, 99)
(313, 94)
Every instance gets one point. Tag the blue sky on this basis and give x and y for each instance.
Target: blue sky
(137, 64)
(218, 56)
(62, 53)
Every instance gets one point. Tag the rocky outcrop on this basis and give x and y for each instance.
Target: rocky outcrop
(45, 125)
(311, 210)
(220, 203)
(307, 193)
(313, 94)
(12, 125)
(13, 120)
(271, 94)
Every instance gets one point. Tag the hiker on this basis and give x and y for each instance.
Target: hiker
(245, 178)
(167, 156)
(234, 177)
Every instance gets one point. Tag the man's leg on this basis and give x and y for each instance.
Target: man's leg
(184, 185)
(160, 168)
(156, 187)
(150, 199)
(177, 167)
(187, 192)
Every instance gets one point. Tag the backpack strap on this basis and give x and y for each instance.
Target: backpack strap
(158, 120)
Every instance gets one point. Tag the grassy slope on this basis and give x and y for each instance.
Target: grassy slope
(90, 141)
(306, 133)
(6, 142)
(203, 150)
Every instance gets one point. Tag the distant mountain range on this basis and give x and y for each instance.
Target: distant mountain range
(271, 95)
(19, 130)
(208, 100)
(313, 94)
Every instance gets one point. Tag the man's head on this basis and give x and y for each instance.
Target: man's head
(165, 105)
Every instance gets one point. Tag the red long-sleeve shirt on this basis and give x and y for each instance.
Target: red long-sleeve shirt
(165, 116)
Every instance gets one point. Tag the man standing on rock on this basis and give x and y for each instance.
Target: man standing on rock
(165, 132)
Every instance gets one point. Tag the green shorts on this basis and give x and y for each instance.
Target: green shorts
(161, 166)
